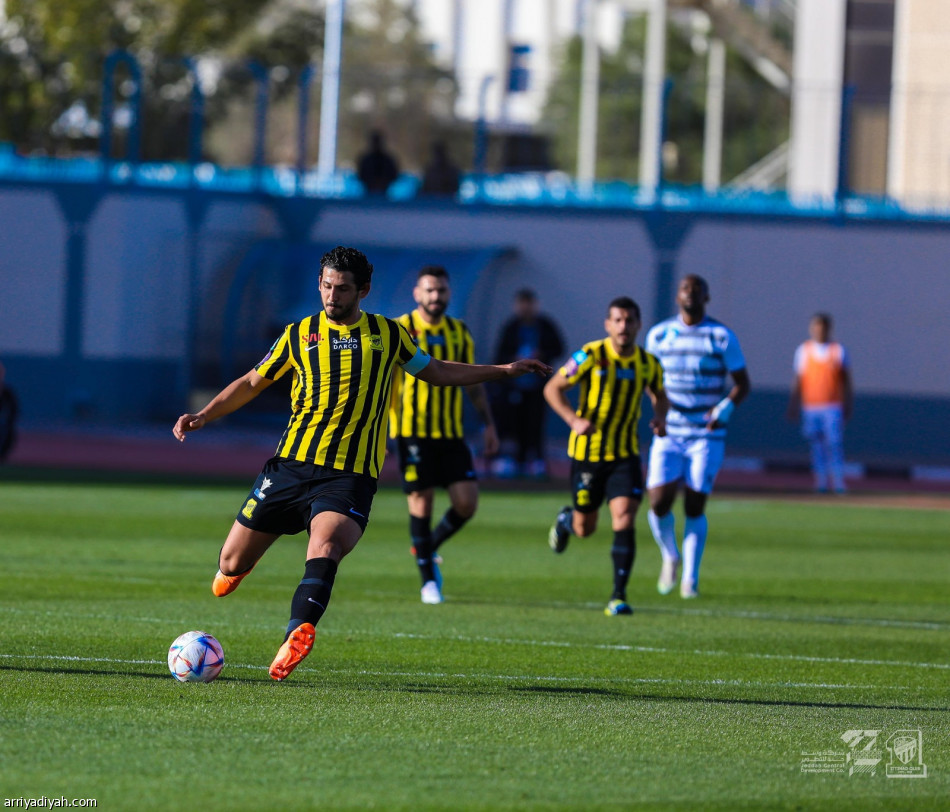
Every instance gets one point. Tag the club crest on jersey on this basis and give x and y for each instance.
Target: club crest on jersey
(347, 343)
(376, 343)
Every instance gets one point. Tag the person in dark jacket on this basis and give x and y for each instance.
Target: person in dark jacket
(521, 407)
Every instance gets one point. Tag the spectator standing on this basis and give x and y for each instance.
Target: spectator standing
(821, 394)
(377, 168)
(441, 176)
(521, 406)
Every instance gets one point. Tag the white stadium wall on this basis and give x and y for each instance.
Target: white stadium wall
(884, 283)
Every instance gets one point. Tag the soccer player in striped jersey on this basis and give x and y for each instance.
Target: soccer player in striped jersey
(426, 422)
(613, 374)
(323, 476)
(699, 355)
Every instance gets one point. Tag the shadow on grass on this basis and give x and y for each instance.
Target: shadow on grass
(786, 703)
(706, 700)
(101, 672)
(395, 686)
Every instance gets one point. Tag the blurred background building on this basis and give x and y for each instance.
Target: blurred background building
(169, 180)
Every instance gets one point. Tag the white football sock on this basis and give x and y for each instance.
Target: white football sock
(694, 541)
(664, 532)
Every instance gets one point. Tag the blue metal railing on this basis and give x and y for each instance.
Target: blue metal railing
(524, 189)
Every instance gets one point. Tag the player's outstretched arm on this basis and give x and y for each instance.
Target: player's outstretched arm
(454, 373)
(230, 399)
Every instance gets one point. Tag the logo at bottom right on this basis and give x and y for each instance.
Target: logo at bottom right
(906, 748)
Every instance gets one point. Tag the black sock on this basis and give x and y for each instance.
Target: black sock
(623, 552)
(312, 596)
(450, 524)
(419, 529)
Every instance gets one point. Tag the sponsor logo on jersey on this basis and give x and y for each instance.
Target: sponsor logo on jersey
(436, 341)
(347, 343)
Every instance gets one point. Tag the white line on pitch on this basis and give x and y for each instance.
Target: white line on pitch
(662, 650)
(496, 677)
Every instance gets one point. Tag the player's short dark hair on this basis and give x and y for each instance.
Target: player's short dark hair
(625, 303)
(697, 278)
(348, 260)
(433, 270)
(824, 318)
(526, 295)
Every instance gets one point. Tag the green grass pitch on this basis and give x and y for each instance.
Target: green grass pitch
(518, 693)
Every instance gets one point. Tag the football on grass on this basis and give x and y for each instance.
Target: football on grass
(195, 657)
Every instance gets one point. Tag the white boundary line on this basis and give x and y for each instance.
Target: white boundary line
(497, 677)
(620, 647)
(923, 625)
(663, 650)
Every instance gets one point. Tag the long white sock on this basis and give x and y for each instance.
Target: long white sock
(694, 541)
(664, 532)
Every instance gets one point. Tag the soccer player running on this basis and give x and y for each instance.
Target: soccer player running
(323, 476)
(613, 373)
(426, 421)
(698, 354)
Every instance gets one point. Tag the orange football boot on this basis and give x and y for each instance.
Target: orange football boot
(295, 648)
(226, 584)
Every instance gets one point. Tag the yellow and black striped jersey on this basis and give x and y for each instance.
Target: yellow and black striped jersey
(611, 397)
(341, 390)
(419, 409)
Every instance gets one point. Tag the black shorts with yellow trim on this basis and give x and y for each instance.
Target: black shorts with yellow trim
(288, 494)
(426, 463)
(593, 482)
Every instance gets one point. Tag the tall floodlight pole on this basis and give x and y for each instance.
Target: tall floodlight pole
(329, 106)
(590, 81)
(507, 26)
(458, 31)
(715, 95)
(651, 121)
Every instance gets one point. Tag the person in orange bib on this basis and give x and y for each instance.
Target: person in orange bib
(821, 395)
